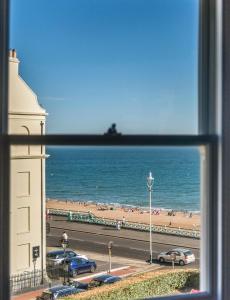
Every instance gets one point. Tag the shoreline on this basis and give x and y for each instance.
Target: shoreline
(163, 217)
(123, 206)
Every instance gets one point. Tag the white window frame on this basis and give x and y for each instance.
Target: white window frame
(214, 134)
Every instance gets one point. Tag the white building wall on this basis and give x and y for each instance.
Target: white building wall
(27, 193)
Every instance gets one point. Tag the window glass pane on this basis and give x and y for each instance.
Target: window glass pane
(104, 199)
(94, 63)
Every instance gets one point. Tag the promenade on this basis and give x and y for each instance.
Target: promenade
(57, 222)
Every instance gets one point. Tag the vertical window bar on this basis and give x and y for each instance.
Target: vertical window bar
(225, 209)
(209, 117)
(4, 154)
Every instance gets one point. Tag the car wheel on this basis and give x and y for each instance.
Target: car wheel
(92, 269)
(161, 260)
(181, 263)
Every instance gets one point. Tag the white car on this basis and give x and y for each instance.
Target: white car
(181, 256)
(56, 257)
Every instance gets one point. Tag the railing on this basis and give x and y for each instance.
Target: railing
(92, 219)
(27, 280)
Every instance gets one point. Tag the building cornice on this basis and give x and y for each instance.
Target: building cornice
(44, 156)
(13, 113)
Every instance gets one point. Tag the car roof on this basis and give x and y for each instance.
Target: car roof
(59, 288)
(181, 249)
(63, 288)
(59, 251)
(105, 277)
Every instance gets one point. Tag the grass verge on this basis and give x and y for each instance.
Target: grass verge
(148, 284)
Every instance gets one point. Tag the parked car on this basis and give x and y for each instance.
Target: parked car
(56, 257)
(103, 279)
(180, 255)
(79, 265)
(79, 285)
(59, 291)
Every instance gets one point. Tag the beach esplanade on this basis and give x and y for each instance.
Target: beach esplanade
(27, 192)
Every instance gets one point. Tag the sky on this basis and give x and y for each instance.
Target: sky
(97, 62)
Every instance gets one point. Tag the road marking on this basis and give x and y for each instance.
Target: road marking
(138, 249)
(141, 249)
(99, 243)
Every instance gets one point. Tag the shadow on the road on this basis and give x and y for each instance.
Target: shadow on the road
(154, 261)
(167, 264)
(109, 228)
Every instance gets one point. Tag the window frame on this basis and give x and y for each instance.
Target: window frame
(214, 134)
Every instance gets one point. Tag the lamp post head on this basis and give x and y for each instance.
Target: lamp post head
(110, 243)
(150, 180)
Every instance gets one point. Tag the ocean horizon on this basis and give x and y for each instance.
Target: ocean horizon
(117, 175)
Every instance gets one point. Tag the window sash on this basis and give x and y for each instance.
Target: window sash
(209, 136)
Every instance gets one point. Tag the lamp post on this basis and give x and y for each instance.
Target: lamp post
(150, 180)
(64, 244)
(110, 243)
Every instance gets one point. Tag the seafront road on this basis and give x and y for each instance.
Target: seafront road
(129, 244)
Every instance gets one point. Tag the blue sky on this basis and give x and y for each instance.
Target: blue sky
(95, 62)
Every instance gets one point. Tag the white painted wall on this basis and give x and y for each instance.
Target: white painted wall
(27, 194)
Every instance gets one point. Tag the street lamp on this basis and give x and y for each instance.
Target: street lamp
(150, 180)
(110, 243)
(64, 244)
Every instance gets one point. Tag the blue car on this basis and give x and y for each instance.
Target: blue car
(103, 279)
(59, 291)
(79, 265)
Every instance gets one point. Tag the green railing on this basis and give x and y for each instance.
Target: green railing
(92, 219)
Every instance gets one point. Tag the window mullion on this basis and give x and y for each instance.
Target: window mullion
(4, 155)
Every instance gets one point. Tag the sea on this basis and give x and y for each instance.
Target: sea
(118, 176)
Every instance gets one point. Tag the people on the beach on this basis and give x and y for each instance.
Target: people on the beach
(171, 213)
(130, 214)
(156, 212)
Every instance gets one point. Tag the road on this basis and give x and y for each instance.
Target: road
(126, 243)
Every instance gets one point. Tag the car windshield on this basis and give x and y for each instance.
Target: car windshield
(94, 283)
(51, 255)
(188, 252)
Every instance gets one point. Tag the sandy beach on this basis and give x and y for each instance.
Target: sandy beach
(181, 220)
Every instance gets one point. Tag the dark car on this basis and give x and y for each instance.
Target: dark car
(103, 279)
(79, 285)
(79, 265)
(57, 292)
(56, 257)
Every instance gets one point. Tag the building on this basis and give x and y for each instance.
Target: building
(27, 192)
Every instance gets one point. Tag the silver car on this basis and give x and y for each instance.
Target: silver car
(56, 257)
(180, 256)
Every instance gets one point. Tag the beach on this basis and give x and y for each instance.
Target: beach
(178, 219)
